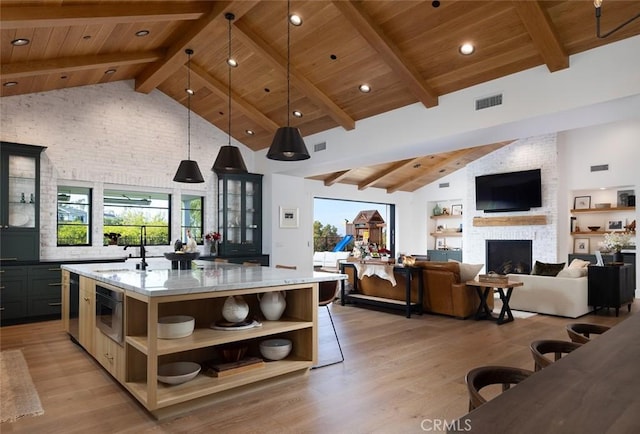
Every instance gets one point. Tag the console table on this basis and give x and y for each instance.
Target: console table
(407, 304)
(611, 286)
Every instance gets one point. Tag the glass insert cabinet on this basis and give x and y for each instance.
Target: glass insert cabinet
(240, 214)
(19, 201)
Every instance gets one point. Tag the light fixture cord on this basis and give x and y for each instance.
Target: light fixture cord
(288, 58)
(229, 82)
(189, 106)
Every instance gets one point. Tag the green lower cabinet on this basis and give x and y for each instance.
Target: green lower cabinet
(444, 255)
(30, 292)
(13, 293)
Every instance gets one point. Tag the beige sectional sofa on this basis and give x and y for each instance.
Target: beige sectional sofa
(562, 296)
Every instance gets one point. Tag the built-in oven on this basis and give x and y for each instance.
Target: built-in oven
(110, 312)
(74, 306)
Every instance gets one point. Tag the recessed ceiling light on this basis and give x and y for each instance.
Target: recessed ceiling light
(364, 88)
(190, 91)
(86, 37)
(20, 42)
(10, 84)
(417, 165)
(333, 57)
(142, 32)
(297, 113)
(232, 63)
(296, 20)
(110, 71)
(466, 48)
(249, 132)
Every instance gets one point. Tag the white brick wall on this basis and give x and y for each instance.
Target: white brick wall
(532, 153)
(106, 135)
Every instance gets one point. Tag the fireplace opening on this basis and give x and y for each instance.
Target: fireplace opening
(509, 256)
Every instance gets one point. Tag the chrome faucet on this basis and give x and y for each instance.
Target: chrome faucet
(143, 251)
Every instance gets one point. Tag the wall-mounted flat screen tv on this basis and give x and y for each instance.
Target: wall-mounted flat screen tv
(513, 191)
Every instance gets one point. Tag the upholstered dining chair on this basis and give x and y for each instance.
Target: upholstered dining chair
(549, 346)
(581, 332)
(483, 376)
(328, 291)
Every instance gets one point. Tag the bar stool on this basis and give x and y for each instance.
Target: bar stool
(483, 376)
(542, 347)
(580, 332)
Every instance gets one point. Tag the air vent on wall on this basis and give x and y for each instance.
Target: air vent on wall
(319, 147)
(490, 101)
(443, 185)
(600, 168)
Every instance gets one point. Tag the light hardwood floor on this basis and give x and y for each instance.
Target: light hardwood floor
(397, 373)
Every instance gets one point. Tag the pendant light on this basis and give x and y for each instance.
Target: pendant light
(188, 170)
(287, 143)
(229, 159)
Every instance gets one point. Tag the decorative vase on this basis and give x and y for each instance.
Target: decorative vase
(235, 309)
(437, 210)
(617, 256)
(213, 248)
(272, 305)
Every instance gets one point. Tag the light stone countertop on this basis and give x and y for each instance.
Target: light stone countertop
(206, 276)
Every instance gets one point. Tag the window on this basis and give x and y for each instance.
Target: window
(74, 216)
(127, 212)
(191, 215)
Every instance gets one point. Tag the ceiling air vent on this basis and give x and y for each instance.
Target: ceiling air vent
(319, 147)
(443, 185)
(490, 101)
(600, 168)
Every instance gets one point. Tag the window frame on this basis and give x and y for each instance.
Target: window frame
(67, 191)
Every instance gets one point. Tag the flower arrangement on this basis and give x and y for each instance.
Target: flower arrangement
(212, 236)
(616, 240)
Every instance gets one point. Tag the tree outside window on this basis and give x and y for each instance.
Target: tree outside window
(74, 216)
(125, 212)
(191, 215)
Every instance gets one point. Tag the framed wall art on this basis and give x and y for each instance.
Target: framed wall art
(581, 245)
(615, 225)
(456, 209)
(582, 202)
(289, 217)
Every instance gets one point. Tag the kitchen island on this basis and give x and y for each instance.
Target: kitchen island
(199, 292)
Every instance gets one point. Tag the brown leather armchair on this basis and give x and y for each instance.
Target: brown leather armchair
(443, 291)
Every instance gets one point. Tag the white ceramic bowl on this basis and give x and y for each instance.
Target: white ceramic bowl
(175, 326)
(178, 372)
(275, 349)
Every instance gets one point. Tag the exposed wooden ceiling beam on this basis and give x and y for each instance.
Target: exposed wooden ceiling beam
(336, 177)
(252, 39)
(542, 32)
(389, 52)
(155, 74)
(398, 165)
(433, 170)
(19, 17)
(13, 71)
(221, 90)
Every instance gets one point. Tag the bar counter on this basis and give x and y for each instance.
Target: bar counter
(595, 389)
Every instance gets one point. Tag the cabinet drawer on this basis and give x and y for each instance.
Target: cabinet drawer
(45, 306)
(45, 286)
(13, 309)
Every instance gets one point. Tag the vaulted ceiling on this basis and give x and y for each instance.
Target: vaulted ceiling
(406, 51)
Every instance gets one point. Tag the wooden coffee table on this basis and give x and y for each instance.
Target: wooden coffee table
(483, 289)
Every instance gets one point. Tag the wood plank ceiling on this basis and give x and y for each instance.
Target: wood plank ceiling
(406, 51)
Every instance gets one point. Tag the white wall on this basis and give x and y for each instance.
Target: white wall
(110, 135)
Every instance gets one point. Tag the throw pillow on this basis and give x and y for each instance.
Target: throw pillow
(468, 271)
(544, 269)
(572, 272)
(579, 263)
